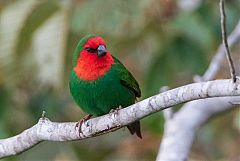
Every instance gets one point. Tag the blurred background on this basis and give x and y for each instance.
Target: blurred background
(162, 42)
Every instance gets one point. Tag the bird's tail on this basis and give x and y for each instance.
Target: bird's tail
(135, 128)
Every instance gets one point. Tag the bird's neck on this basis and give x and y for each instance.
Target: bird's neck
(92, 67)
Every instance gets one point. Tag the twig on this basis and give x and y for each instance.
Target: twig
(225, 42)
(164, 89)
(234, 103)
(219, 57)
(43, 114)
(179, 133)
(47, 130)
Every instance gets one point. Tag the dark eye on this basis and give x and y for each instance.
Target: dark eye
(91, 50)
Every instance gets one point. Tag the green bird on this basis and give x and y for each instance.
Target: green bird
(100, 83)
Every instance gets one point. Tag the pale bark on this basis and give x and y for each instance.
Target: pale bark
(181, 127)
(52, 131)
(180, 130)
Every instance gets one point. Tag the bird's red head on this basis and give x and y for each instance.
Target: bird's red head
(94, 60)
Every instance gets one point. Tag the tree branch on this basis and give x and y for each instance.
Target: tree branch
(180, 130)
(167, 113)
(217, 60)
(224, 39)
(52, 131)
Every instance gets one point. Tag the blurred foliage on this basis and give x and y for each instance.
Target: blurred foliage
(40, 12)
(161, 42)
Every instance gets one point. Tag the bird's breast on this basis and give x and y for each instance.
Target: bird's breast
(100, 96)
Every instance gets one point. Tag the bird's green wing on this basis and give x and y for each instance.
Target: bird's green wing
(126, 78)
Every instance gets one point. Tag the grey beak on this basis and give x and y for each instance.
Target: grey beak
(101, 50)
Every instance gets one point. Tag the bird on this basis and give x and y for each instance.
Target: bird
(100, 83)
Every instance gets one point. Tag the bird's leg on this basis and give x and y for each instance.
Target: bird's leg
(115, 111)
(81, 122)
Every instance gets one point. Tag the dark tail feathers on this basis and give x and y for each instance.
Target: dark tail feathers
(135, 128)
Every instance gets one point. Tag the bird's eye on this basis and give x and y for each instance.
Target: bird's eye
(91, 50)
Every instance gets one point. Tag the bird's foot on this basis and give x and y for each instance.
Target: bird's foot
(81, 122)
(115, 111)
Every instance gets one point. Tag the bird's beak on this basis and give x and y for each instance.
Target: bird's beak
(101, 50)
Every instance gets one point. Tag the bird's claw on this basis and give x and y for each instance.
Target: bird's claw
(115, 111)
(81, 122)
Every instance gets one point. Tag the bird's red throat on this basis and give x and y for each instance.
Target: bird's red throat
(90, 66)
